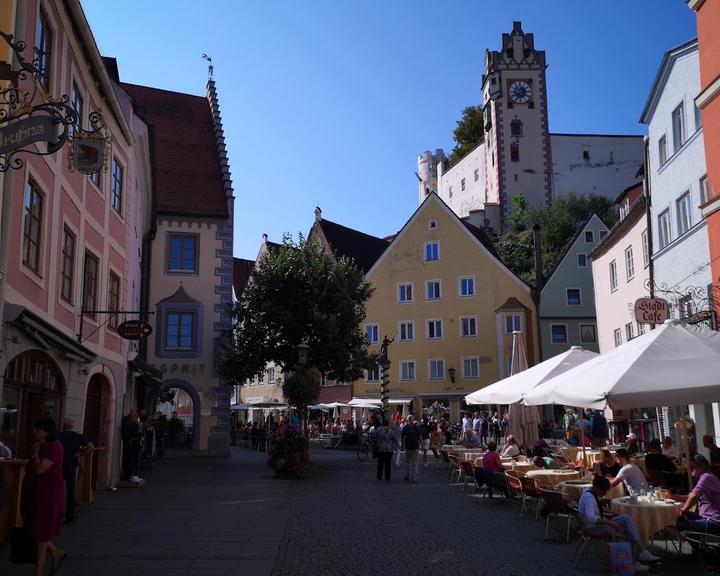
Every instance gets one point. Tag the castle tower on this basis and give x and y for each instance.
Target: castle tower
(428, 172)
(517, 142)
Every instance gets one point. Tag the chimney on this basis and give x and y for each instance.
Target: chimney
(537, 249)
(318, 214)
(265, 238)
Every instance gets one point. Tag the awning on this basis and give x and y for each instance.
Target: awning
(45, 334)
(400, 400)
(238, 407)
(149, 375)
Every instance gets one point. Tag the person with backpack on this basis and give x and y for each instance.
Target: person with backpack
(386, 443)
(411, 445)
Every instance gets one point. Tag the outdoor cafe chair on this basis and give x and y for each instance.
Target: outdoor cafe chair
(585, 537)
(438, 457)
(530, 491)
(705, 547)
(515, 489)
(556, 507)
(468, 472)
(445, 460)
(656, 477)
(454, 467)
(501, 483)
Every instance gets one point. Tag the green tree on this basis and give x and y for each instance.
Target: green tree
(300, 293)
(302, 387)
(468, 134)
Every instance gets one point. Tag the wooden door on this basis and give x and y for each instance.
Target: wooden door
(93, 416)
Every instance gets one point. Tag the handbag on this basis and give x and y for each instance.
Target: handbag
(23, 549)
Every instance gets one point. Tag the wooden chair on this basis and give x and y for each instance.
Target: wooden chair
(468, 473)
(454, 467)
(515, 489)
(445, 460)
(556, 507)
(530, 491)
(501, 483)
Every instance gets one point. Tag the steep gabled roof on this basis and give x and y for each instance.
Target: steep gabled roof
(481, 237)
(242, 269)
(343, 241)
(180, 297)
(185, 159)
(512, 303)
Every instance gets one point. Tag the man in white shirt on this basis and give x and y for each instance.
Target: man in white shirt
(594, 523)
(511, 448)
(466, 423)
(669, 449)
(629, 474)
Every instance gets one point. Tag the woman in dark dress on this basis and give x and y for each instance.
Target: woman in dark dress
(44, 495)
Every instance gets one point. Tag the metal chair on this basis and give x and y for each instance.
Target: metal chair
(445, 460)
(556, 507)
(586, 537)
(530, 491)
(438, 458)
(454, 467)
(468, 472)
(514, 488)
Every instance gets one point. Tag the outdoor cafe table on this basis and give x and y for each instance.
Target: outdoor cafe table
(552, 477)
(519, 466)
(471, 455)
(573, 489)
(569, 453)
(649, 517)
(591, 456)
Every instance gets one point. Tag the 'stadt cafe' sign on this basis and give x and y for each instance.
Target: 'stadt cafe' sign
(651, 310)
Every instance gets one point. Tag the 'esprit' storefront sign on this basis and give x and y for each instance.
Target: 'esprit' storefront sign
(651, 310)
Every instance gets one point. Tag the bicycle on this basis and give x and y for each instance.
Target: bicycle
(366, 445)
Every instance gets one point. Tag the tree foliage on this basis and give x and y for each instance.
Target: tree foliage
(302, 387)
(558, 224)
(300, 293)
(468, 134)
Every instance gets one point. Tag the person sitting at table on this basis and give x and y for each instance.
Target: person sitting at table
(656, 460)
(470, 440)
(629, 474)
(706, 494)
(546, 463)
(669, 449)
(608, 466)
(542, 448)
(491, 464)
(709, 443)
(511, 449)
(631, 444)
(593, 522)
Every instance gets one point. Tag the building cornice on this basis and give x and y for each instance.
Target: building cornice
(708, 94)
(695, 4)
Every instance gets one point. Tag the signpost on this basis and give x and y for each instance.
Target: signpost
(651, 310)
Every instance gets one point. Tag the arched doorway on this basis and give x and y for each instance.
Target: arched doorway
(97, 420)
(179, 402)
(34, 388)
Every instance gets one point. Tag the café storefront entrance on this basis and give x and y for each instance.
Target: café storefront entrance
(33, 388)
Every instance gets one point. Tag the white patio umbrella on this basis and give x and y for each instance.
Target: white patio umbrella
(524, 420)
(674, 364)
(335, 406)
(365, 401)
(511, 389)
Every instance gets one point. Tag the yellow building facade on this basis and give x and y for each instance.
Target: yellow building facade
(451, 306)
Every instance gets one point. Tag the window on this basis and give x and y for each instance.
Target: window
(645, 249)
(467, 286)
(589, 237)
(373, 375)
(432, 251)
(586, 155)
(683, 213)
(476, 174)
(405, 293)
(432, 224)
(117, 186)
(371, 331)
(77, 103)
(468, 326)
(516, 127)
(613, 276)
(450, 192)
(641, 328)
(587, 334)
(270, 375)
(471, 367)
(513, 323)
(603, 233)
(436, 369)
(558, 333)
(407, 370)
(43, 47)
(407, 331)
(180, 330)
(514, 151)
(95, 179)
(90, 281)
(462, 184)
(664, 229)
(704, 189)
(573, 296)
(432, 290)
(182, 254)
(32, 227)
(582, 260)
(678, 126)
(662, 149)
(618, 337)
(67, 265)
(629, 264)
(629, 331)
(113, 299)
(625, 208)
(434, 330)
(698, 117)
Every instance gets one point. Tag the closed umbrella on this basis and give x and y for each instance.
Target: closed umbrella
(524, 420)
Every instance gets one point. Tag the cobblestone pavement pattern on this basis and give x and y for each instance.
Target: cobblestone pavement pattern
(226, 517)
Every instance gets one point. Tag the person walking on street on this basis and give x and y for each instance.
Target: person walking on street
(425, 437)
(397, 430)
(72, 442)
(411, 445)
(386, 443)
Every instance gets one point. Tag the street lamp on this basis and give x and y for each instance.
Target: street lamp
(451, 373)
(302, 350)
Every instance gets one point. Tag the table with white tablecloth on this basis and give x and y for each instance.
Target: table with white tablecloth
(573, 489)
(552, 477)
(649, 517)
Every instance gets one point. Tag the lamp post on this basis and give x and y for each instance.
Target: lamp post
(303, 351)
(451, 373)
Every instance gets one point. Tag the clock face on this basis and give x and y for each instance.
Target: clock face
(520, 92)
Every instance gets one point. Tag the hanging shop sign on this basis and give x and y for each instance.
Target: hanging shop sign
(651, 310)
(134, 330)
(22, 133)
(90, 149)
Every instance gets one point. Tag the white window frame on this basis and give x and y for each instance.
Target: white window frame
(406, 364)
(678, 140)
(412, 292)
(426, 245)
(460, 286)
(464, 374)
(662, 150)
(427, 329)
(629, 331)
(645, 249)
(589, 234)
(462, 320)
(270, 374)
(567, 296)
(617, 334)
(641, 328)
(584, 256)
(603, 233)
(377, 333)
(704, 191)
(629, 264)
(513, 316)
(434, 282)
(612, 267)
(402, 323)
(552, 336)
(664, 232)
(434, 361)
(682, 208)
(379, 374)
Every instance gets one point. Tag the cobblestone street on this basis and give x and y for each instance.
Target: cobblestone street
(225, 517)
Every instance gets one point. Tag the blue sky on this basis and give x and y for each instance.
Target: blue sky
(329, 102)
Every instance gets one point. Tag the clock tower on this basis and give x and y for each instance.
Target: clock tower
(518, 158)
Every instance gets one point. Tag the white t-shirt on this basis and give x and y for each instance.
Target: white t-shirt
(633, 476)
(511, 450)
(466, 424)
